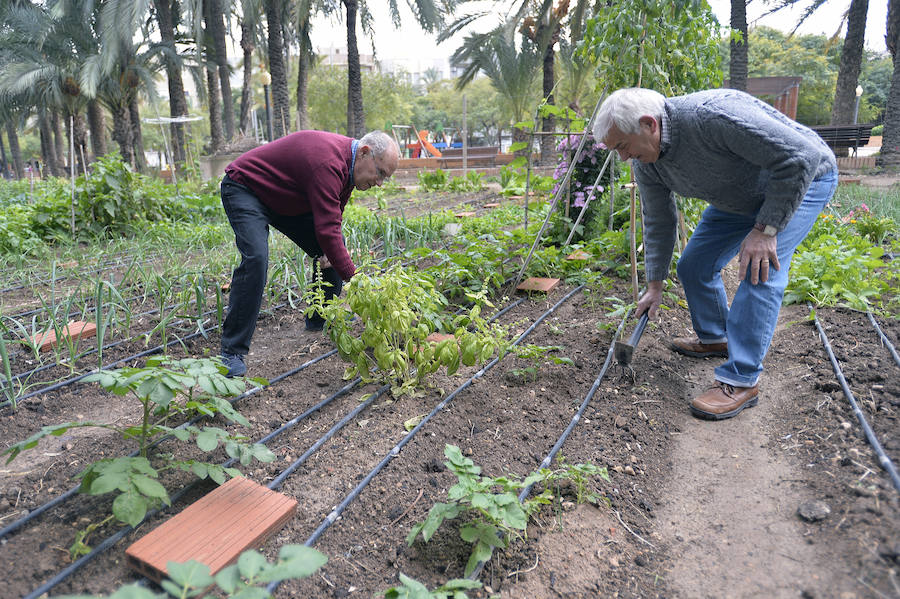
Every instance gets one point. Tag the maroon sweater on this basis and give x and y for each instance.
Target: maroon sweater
(306, 171)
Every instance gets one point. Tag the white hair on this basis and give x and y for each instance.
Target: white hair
(624, 109)
(380, 142)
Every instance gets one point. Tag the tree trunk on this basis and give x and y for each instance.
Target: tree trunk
(217, 30)
(122, 134)
(58, 168)
(98, 128)
(281, 100)
(137, 137)
(303, 77)
(177, 100)
(844, 108)
(48, 149)
(14, 149)
(215, 111)
(548, 123)
(890, 142)
(739, 47)
(247, 47)
(356, 120)
(4, 163)
(82, 151)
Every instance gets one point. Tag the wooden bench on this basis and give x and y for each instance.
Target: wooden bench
(845, 136)
(475, 156)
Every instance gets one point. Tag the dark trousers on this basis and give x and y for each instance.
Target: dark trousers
(250, 220)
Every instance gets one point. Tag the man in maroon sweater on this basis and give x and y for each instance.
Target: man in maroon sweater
(298, 184)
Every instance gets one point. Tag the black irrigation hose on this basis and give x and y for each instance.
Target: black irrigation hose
(120, 534)
(395, 451)
(13, 526)
(883, 459)
(545, 463)
(884, 340)
(98, 268)
(116, 537)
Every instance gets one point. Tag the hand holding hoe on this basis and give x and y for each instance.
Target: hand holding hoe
(624, 351)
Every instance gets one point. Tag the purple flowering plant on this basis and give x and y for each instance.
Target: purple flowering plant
(581, 183)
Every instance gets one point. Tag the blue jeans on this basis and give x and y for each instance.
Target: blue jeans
(250, 220)
(748, 325)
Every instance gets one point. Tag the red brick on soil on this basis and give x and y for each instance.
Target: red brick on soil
(438, 337)
(464, 214)
(76, 329)
(214, 530)
(491, 205)
(538, 284)
(578, 255)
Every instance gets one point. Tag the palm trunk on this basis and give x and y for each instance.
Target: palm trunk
(59, 145)
(137, 138)
(14, 150)
(303, 78)
(122, 134)
(890, 142)
(281, 101)
(217, 29)
(739, 47)
(548, 123)
(356, 120)
(851, 61)
(97, 127)
(48, 149)
(82, 151)
(177, 101)
(215, 113)
(247, 48)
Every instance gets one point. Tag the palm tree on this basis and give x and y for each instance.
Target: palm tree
(740, 46)
(206, 48)
(216, 27)
(249, 40)
(166, 15)
(512, 72)
(844, 108)
(281, 100)
(890, 142)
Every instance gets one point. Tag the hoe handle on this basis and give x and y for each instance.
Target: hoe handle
(639, 329)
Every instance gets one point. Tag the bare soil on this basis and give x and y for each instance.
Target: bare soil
(695, 508)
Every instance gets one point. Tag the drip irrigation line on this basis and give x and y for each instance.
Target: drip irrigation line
(62, 278)
(395, 451)
(120, 534)
(13, 526)
(883, 459)
(884, 340)
(545, 463)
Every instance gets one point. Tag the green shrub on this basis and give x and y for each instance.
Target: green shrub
(878, 130)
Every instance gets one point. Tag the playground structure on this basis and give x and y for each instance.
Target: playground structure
(415, 143)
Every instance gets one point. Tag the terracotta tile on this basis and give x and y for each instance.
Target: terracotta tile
(76, 329)
(214, 530)
(464, 214)
(849, 180)
(578, 255)
(538, 284)
(491, 205)
(438, 337)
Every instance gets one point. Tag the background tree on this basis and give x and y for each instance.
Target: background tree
(889, 157)
(167, 11)
(218, 54)
(281, 100)
(851, 61)
(739, 40)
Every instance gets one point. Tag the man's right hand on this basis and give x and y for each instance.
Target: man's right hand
(651, 299)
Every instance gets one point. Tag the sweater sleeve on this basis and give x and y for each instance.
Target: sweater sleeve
(659, 221)
(791, 157)
(323, 193)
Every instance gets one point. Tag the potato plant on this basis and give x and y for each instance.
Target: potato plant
(166, 388)
(397, 310)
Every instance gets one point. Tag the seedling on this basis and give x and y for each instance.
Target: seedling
(413, 589)
(165, 388)
(241, 580)
(493, 518)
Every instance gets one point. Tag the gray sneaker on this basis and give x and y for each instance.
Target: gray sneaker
(235, 364)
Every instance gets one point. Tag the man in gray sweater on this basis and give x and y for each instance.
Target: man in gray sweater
(766, 179)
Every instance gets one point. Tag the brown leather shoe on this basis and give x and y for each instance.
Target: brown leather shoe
(724, 401)
(695, 349)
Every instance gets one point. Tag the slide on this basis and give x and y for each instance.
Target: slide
(423, 137)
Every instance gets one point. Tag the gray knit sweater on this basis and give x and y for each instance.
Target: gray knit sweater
(733, 151)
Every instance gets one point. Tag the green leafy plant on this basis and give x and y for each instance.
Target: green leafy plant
(166, 388)
(471, 182)
(536, 354)
(436, 180)
(413, 589)
(241, 580)
(492, 512)
(398, 309)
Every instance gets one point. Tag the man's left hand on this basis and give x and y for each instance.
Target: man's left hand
(759, 252)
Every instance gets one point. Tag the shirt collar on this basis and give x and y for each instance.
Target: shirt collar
(353, 146)
(665, 132)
